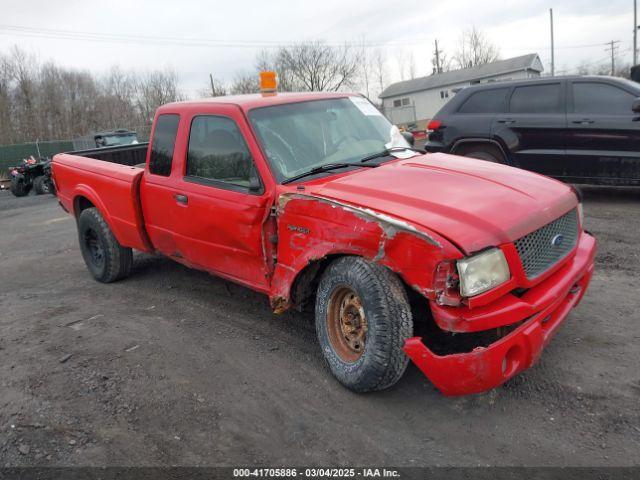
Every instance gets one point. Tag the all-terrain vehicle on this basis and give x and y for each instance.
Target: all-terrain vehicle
(33, 173)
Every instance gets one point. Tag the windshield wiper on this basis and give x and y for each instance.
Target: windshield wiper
(324, 168)
(388, 151)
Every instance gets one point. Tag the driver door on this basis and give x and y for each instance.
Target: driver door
(221, 202)
(603, 134)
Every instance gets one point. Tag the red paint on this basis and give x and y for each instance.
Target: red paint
(409, 215)
(486, 368)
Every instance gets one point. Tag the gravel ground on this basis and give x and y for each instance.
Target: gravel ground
(175, 367)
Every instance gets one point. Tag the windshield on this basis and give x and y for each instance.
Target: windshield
(297, 137)
(112, 140)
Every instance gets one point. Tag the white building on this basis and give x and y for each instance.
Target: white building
(416, 101)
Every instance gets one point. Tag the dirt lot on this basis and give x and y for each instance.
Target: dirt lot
(175, 367)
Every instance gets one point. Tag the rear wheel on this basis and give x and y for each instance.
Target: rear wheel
(488, 153)
(363, 319)
(19, 187)
(40, 185)
(105, 258)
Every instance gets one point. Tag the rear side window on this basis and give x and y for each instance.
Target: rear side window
(485, 101)
(591, 97)
(164, 139)
(218, 152)
(537, 99)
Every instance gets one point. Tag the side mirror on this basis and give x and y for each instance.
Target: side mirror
(408, 136)
(635, 106)
(254, 185)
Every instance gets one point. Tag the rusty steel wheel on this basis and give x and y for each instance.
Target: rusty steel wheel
(363, 351)
(347, 324)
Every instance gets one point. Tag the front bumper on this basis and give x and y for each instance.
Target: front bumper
(485, 368)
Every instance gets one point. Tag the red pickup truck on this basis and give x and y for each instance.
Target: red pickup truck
(465, 267)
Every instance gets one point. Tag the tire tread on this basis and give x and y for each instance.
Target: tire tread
(386, 301)
(118, 259)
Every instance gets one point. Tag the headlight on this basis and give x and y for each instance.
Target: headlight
(482, 272)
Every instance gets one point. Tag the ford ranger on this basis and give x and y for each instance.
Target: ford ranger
(466, 267)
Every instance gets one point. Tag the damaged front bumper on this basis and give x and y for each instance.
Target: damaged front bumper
(541, 310)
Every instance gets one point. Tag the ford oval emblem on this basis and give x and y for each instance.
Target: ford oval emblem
(557, 240)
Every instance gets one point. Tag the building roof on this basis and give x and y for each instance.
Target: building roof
(530, 61)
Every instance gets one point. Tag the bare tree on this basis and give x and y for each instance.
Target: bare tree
(313, 66)
(445, 62)
(154, 89)
(25, 92)
(214, 88)
(475, 49)
(379, 70)
(411, 66)
(401, 62)
(46, 101)
(6, 84)
(274, 61)
(245, 82)
(623, 70)
(118, 93)
(366, 68)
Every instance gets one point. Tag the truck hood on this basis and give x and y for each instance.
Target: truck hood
(472, 203)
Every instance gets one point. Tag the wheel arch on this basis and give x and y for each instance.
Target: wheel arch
(304, 285)
(481, 141)
(84, 197)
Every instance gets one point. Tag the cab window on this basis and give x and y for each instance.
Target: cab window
(219, 155)
(164, 140)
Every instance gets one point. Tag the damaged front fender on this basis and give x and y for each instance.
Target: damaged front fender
(311, 228)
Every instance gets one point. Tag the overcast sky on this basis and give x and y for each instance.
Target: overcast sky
(231, 32)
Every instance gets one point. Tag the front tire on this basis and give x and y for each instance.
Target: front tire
(363, 319)
(40, 185)
(105, 258)
(488, 153)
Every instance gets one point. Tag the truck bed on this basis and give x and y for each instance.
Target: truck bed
(122, 154)
(113, 188)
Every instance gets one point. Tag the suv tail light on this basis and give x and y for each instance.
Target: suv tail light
(434, 125)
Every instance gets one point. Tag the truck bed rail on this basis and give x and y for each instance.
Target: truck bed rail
(130, 155)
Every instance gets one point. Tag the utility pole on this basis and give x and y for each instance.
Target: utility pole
(213, 89)
(612, 47)
(553, 60)
(438, 68)
(635, 32)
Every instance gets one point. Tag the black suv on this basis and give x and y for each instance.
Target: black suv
(577, 129)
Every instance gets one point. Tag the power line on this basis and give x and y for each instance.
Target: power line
(129, 39)
(174, 41)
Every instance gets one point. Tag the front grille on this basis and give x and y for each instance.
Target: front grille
(545, 247)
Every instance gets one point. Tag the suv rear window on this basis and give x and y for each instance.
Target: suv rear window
(485, 101)
(536, 99)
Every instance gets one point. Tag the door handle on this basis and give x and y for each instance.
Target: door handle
(506, 121)
(181, 198)
(584, 121)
